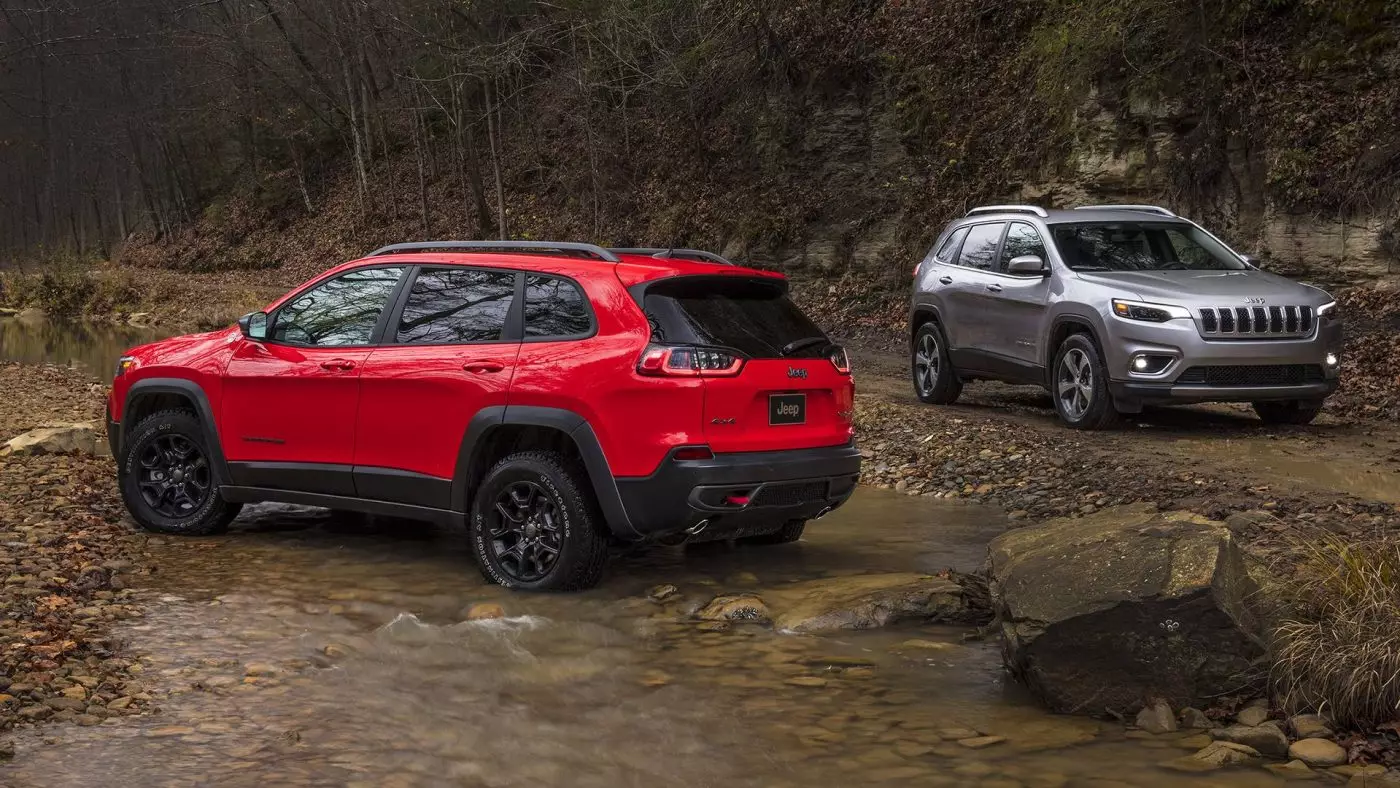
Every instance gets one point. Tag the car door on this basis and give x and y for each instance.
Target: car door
(971, 330)
(449, 353)
(289, 401)
(1017, 304)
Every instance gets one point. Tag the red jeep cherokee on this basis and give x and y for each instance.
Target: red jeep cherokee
(553, 397)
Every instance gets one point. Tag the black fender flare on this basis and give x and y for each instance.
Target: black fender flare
(190, 391)
(915, 325)
(578, 429)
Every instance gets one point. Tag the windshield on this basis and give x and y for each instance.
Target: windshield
(1141, 246)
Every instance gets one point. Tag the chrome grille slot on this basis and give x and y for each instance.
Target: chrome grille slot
(1259, 322)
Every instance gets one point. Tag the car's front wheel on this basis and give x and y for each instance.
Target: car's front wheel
(534, 525)
(1289, 412)
(167, 481)
(1079, 385)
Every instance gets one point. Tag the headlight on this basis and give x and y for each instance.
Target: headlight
(1329, 311)
(124, 365)
(1151, 313)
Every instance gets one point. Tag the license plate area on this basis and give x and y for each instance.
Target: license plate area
(787, 409)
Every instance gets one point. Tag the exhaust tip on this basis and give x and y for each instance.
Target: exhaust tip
(823, 513)
(695, 530)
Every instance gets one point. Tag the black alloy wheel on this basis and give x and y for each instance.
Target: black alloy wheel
(174, 477)
(526, 535)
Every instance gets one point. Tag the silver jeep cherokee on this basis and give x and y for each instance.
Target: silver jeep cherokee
(1112, 306)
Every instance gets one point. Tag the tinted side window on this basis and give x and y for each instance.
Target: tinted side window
(980, 248)
(342, 311)
(1021, 239)
(554, 308)
(449, 306)
(950, 246)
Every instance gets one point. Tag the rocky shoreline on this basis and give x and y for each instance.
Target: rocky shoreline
(66, 563)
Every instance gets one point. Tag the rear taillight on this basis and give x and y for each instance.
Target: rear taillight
(839, 359)
(687, 361)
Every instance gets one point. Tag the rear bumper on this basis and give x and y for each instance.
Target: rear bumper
(776, 486)
(1186, 393)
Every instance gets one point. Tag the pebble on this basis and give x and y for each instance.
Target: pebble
(806, 681)
(662, 592)
(1194, 718)
(1252, 715)
(981, 742)
(1310, 726)
(485, 610)
(169, 730)
(1293, 770)
(1157, 718)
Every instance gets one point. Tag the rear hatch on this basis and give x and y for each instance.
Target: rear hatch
(793, 389)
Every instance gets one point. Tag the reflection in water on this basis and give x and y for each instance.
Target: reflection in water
(305, 648)
(93, 346)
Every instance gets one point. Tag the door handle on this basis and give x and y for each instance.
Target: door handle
(479, 367)
(947, 280)
(995, 288)
(338, 365)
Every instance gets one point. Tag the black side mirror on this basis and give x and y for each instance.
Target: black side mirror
(1252, 261)
(1027, 265)
(254, 325)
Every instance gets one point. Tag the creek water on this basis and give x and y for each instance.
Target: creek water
(312, 648)
(95, 347)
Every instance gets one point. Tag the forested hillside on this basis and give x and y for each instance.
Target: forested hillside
(825, 135)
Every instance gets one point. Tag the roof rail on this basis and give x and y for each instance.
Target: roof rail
(683, 254)
(1035, 209)
(592, 250)
(1143, 208)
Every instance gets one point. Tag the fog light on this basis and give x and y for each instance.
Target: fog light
(1140, 363)
(1332, 359)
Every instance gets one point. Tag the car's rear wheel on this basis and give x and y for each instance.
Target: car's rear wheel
(935, 380)
(534, 525)
(1079, 385)
(1288, 412)
(167, 481)
(789, 532)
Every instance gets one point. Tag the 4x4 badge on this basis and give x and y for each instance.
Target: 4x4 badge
(794, 372)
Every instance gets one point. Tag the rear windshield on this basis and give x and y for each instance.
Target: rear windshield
(754, 317)
(1141, 246)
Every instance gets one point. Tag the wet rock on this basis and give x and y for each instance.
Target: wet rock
(7, 751)
(65, 704)
(1194, 719)
(1102, 611)
(957, 734)
(1157, 718)
(166, 731)
(259, 669)
(76, 438)
(867, 601)
(1293, 770)
(735, 607)
(981, 742)
(1318, 752)
(1216, 755)
(662, 592)
(1252, 715)
(1310, 726)
(485, 610)
(1267, 738)
(806, 681)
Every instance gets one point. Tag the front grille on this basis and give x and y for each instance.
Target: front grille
(1257, 322)
(1253, 375)
(790, 494)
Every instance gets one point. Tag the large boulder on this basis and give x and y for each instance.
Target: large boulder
(79, 438)
(1124, 606)
(867, 601)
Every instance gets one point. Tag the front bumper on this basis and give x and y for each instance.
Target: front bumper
(114, 430)
(1180, 341)
(772, 487)
(1185, 393)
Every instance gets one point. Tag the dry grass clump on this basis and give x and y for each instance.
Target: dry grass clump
(1339, 653)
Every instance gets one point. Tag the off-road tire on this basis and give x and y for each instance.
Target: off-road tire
(1298, 412)
(790, 532)
(583, 548)
(947, 386)
(212, 516)
(1099, 414)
